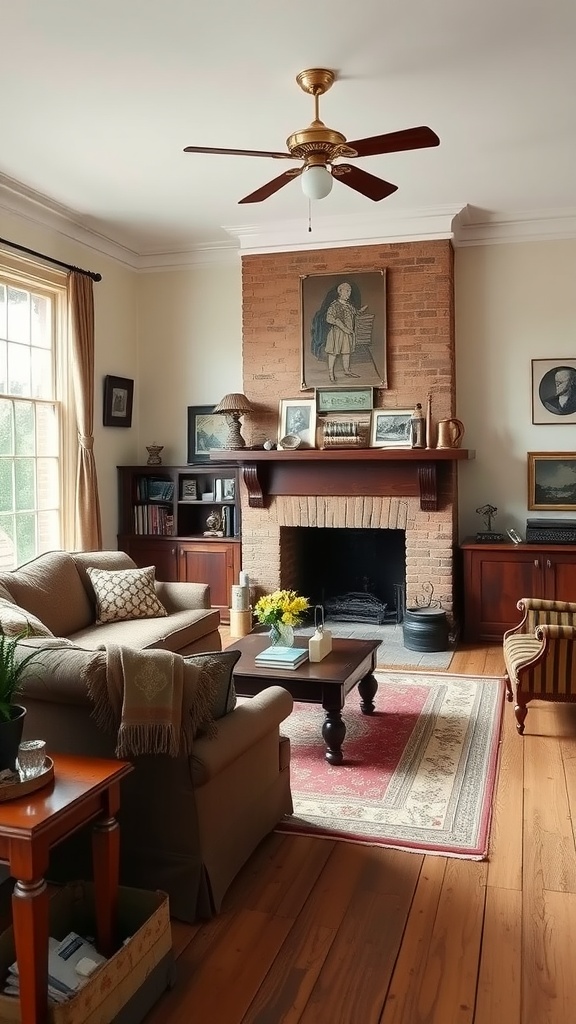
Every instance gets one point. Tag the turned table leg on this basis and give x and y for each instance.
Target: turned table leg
(31, 930)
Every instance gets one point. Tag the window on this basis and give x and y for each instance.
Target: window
(32, 440)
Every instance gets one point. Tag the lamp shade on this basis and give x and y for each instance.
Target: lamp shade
(316, 182)
(234, 403)
(232, 407)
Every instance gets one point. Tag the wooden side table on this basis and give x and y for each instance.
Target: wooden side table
(83, 789)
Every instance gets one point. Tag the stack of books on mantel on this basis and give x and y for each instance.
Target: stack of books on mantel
(282, 657)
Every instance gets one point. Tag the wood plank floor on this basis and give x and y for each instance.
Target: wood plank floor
(321, 932)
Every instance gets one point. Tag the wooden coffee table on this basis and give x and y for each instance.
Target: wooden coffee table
(350, 663)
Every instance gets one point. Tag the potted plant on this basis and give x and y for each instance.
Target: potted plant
(11, 714)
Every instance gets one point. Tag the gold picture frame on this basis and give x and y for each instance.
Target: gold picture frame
(552, 481)
(343, 329)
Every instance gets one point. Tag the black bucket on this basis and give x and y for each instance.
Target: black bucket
(425, 629)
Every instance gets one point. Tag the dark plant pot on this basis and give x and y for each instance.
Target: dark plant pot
(11, 736)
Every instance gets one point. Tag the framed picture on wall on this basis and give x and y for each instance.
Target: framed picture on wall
(552, 481)
(554, 391)
(118, 397)
(343, 329)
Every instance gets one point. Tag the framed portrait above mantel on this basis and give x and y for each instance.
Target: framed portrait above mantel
(343, 329)
(552, 481)
(554, 391)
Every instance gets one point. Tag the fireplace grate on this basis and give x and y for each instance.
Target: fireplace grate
(355, 606)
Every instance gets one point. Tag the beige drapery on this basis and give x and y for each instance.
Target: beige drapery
(87, 524)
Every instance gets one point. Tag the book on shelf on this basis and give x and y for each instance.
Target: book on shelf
(277, 656)
(151, 488)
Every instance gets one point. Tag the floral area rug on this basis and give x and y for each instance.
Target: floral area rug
(418, 774)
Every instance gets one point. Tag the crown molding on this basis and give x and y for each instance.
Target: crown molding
(463, 224)
(485, 227)
(24, 202)
(333, 232)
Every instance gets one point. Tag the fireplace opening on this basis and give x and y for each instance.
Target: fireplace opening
(358, 575)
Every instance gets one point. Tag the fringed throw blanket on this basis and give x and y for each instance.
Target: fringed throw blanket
(155, 699)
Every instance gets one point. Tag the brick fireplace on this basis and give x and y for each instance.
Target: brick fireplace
(420, 359)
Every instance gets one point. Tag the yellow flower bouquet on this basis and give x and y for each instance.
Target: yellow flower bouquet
(281, 610)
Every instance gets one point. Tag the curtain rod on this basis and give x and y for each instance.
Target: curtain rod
(59, 263)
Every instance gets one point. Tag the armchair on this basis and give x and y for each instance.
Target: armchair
(540, 655)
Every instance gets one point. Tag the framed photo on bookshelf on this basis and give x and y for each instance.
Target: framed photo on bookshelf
(189, 490)
(228, 490)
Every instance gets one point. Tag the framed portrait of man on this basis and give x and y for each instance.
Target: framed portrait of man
(343, 329)
(554, 391)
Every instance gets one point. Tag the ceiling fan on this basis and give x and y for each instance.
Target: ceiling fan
(318, 147)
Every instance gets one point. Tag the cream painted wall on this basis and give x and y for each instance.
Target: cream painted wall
(116, 349)
(514, 303)
(190, 349)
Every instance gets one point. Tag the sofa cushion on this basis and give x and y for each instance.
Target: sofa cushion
(174, 633)
(216, 670)
(125, 594)
(15, 621)
(99, 560)
(49, 586)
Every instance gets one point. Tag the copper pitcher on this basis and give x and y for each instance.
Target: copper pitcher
(450, 433)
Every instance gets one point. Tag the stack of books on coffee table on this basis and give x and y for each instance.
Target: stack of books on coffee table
(281, 657)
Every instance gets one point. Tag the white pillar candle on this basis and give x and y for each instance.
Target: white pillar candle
(244, 579)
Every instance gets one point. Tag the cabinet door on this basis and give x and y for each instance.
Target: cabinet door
(494, 581)
(560, 575)
(145, 550)
(215, 563)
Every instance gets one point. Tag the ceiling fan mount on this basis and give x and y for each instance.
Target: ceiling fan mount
(319, 146)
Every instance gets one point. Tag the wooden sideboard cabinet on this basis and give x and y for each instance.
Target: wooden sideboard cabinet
(162, 517)
(496, 576)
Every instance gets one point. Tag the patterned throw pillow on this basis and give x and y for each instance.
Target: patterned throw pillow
(125, 594)
(15, 620)
(215, 673)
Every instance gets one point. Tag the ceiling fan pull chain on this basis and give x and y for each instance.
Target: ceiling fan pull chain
(309, 215)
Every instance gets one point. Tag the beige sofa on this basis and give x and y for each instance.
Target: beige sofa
(188, 823)
(55, 588)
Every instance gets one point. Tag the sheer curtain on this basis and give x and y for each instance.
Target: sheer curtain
(87, 523)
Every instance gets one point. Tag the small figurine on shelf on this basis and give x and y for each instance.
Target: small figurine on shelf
(418, 427)
(214, 525)
(488, 513)
(154, 454)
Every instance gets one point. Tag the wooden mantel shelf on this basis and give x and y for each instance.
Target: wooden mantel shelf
(344, 471)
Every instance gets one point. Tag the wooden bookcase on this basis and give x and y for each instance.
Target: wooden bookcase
(162, 521)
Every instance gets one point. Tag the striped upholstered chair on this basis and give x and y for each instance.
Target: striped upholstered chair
(540, 655)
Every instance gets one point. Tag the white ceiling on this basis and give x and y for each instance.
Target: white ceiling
(98, 100)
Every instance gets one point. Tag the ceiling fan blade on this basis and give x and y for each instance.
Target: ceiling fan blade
(396, 142)
(238, 152)
(368, 184)
(269, 188)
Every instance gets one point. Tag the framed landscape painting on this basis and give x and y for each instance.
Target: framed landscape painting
(391, 428)
(552, 481)
(206, 430)
(343, 329)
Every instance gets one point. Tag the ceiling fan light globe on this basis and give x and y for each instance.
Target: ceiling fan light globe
(316, 182)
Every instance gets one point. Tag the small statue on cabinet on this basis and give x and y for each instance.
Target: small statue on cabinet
(488, 513)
